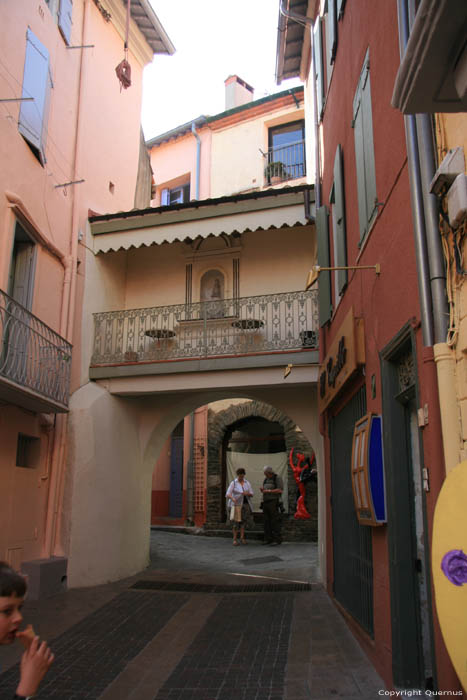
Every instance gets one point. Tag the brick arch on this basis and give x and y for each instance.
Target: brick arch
(218, 425)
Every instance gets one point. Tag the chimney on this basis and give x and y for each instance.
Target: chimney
(237, 92)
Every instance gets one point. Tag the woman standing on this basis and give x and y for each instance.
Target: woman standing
(239, 493)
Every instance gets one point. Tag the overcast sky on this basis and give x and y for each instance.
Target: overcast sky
(213, 39)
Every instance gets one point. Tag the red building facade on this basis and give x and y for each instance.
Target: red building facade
(376, 357)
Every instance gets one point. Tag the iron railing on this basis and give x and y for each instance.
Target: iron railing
(32, 355)
(286, 162)
(259, 324)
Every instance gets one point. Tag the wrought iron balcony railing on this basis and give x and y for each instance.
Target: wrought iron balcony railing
(32, 355)
(285, 162)
(228, 327)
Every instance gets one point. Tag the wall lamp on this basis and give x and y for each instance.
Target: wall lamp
(289, 367)
(316, 270)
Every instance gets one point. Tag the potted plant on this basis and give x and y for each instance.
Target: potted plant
(276, 171)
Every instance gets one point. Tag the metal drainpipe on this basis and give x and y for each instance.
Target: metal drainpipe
(416, 195)
(433, 238)
(198, 157)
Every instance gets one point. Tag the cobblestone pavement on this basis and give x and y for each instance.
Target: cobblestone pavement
(206, 621)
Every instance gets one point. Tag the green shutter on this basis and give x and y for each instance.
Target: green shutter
(324, 280)
(331, 31)
(339, 221)
(319, 70)
(369, 151)
(364, 150)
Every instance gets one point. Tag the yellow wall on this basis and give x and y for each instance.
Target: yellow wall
(237, 164)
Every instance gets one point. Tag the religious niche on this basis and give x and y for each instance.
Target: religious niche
(212, 289)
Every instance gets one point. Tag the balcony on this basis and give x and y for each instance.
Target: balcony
(271, 325)
(285, 163)
(35, 361)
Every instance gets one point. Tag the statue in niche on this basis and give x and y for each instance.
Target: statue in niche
(212, 293)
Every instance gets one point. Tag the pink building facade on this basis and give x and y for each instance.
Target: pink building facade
(62, 111)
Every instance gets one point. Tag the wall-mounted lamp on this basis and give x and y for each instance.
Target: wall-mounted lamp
(316, 270)
(289, 367)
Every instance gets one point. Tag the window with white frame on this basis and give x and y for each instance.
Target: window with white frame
(176, 195)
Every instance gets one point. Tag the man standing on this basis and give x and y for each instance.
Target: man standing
(272, 490)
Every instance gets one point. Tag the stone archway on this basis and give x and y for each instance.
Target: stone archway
(218, 424)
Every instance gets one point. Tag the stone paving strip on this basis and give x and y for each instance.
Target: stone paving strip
(96, 650)
(239, 654)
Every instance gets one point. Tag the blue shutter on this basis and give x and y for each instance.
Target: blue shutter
(32, 123)
(319, 70)
(340, 8)
(339, 221)
(64, 19)
(324, 280)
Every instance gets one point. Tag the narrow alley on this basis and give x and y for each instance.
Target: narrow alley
(205, 621)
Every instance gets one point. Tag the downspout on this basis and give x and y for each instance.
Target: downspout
(431, 273)
(52, 540)
(416, 195)
(198, 157)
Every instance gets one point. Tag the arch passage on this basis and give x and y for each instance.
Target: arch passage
(219, 425)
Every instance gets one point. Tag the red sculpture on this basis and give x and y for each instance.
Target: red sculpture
(302, 472)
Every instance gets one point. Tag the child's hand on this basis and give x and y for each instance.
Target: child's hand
(35, 663)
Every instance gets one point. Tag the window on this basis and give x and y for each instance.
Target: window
(338, 225)
(21, 281)
(177, 195)
(286, 152)
(324, 284)
(364, 150)
(34, 112)
(62, 10)
(27, 451)
(319, 67)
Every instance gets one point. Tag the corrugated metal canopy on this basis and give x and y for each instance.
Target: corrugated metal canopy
(270, 209)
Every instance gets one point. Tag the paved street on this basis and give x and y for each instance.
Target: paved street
(206, 621)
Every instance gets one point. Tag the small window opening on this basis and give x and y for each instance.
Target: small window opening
(111, 187)
(27, 451)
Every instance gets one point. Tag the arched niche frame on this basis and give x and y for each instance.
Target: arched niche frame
(213, 268)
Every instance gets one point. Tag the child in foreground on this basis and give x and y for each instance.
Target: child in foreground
(37, 657)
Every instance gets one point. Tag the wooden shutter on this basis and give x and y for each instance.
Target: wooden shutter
(319, 69)
(165, 194)
(368, 147)
(332, 30)
(64, 19)
(324, 282)
(33, 114)
(364, 150)
(339, 220)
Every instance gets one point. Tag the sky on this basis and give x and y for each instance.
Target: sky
(213, 39)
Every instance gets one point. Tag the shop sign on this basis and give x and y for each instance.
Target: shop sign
(345, 355)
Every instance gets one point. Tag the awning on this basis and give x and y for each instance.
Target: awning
(270, 209)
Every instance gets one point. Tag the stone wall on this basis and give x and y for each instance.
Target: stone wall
(218, 424)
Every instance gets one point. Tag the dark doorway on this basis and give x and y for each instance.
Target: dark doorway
(352, 544)
(176, 472)
(411, 622)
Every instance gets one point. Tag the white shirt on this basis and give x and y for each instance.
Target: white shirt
(236, 491)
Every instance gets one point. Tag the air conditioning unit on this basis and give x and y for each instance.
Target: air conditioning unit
(457, 200)
(453, 164)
